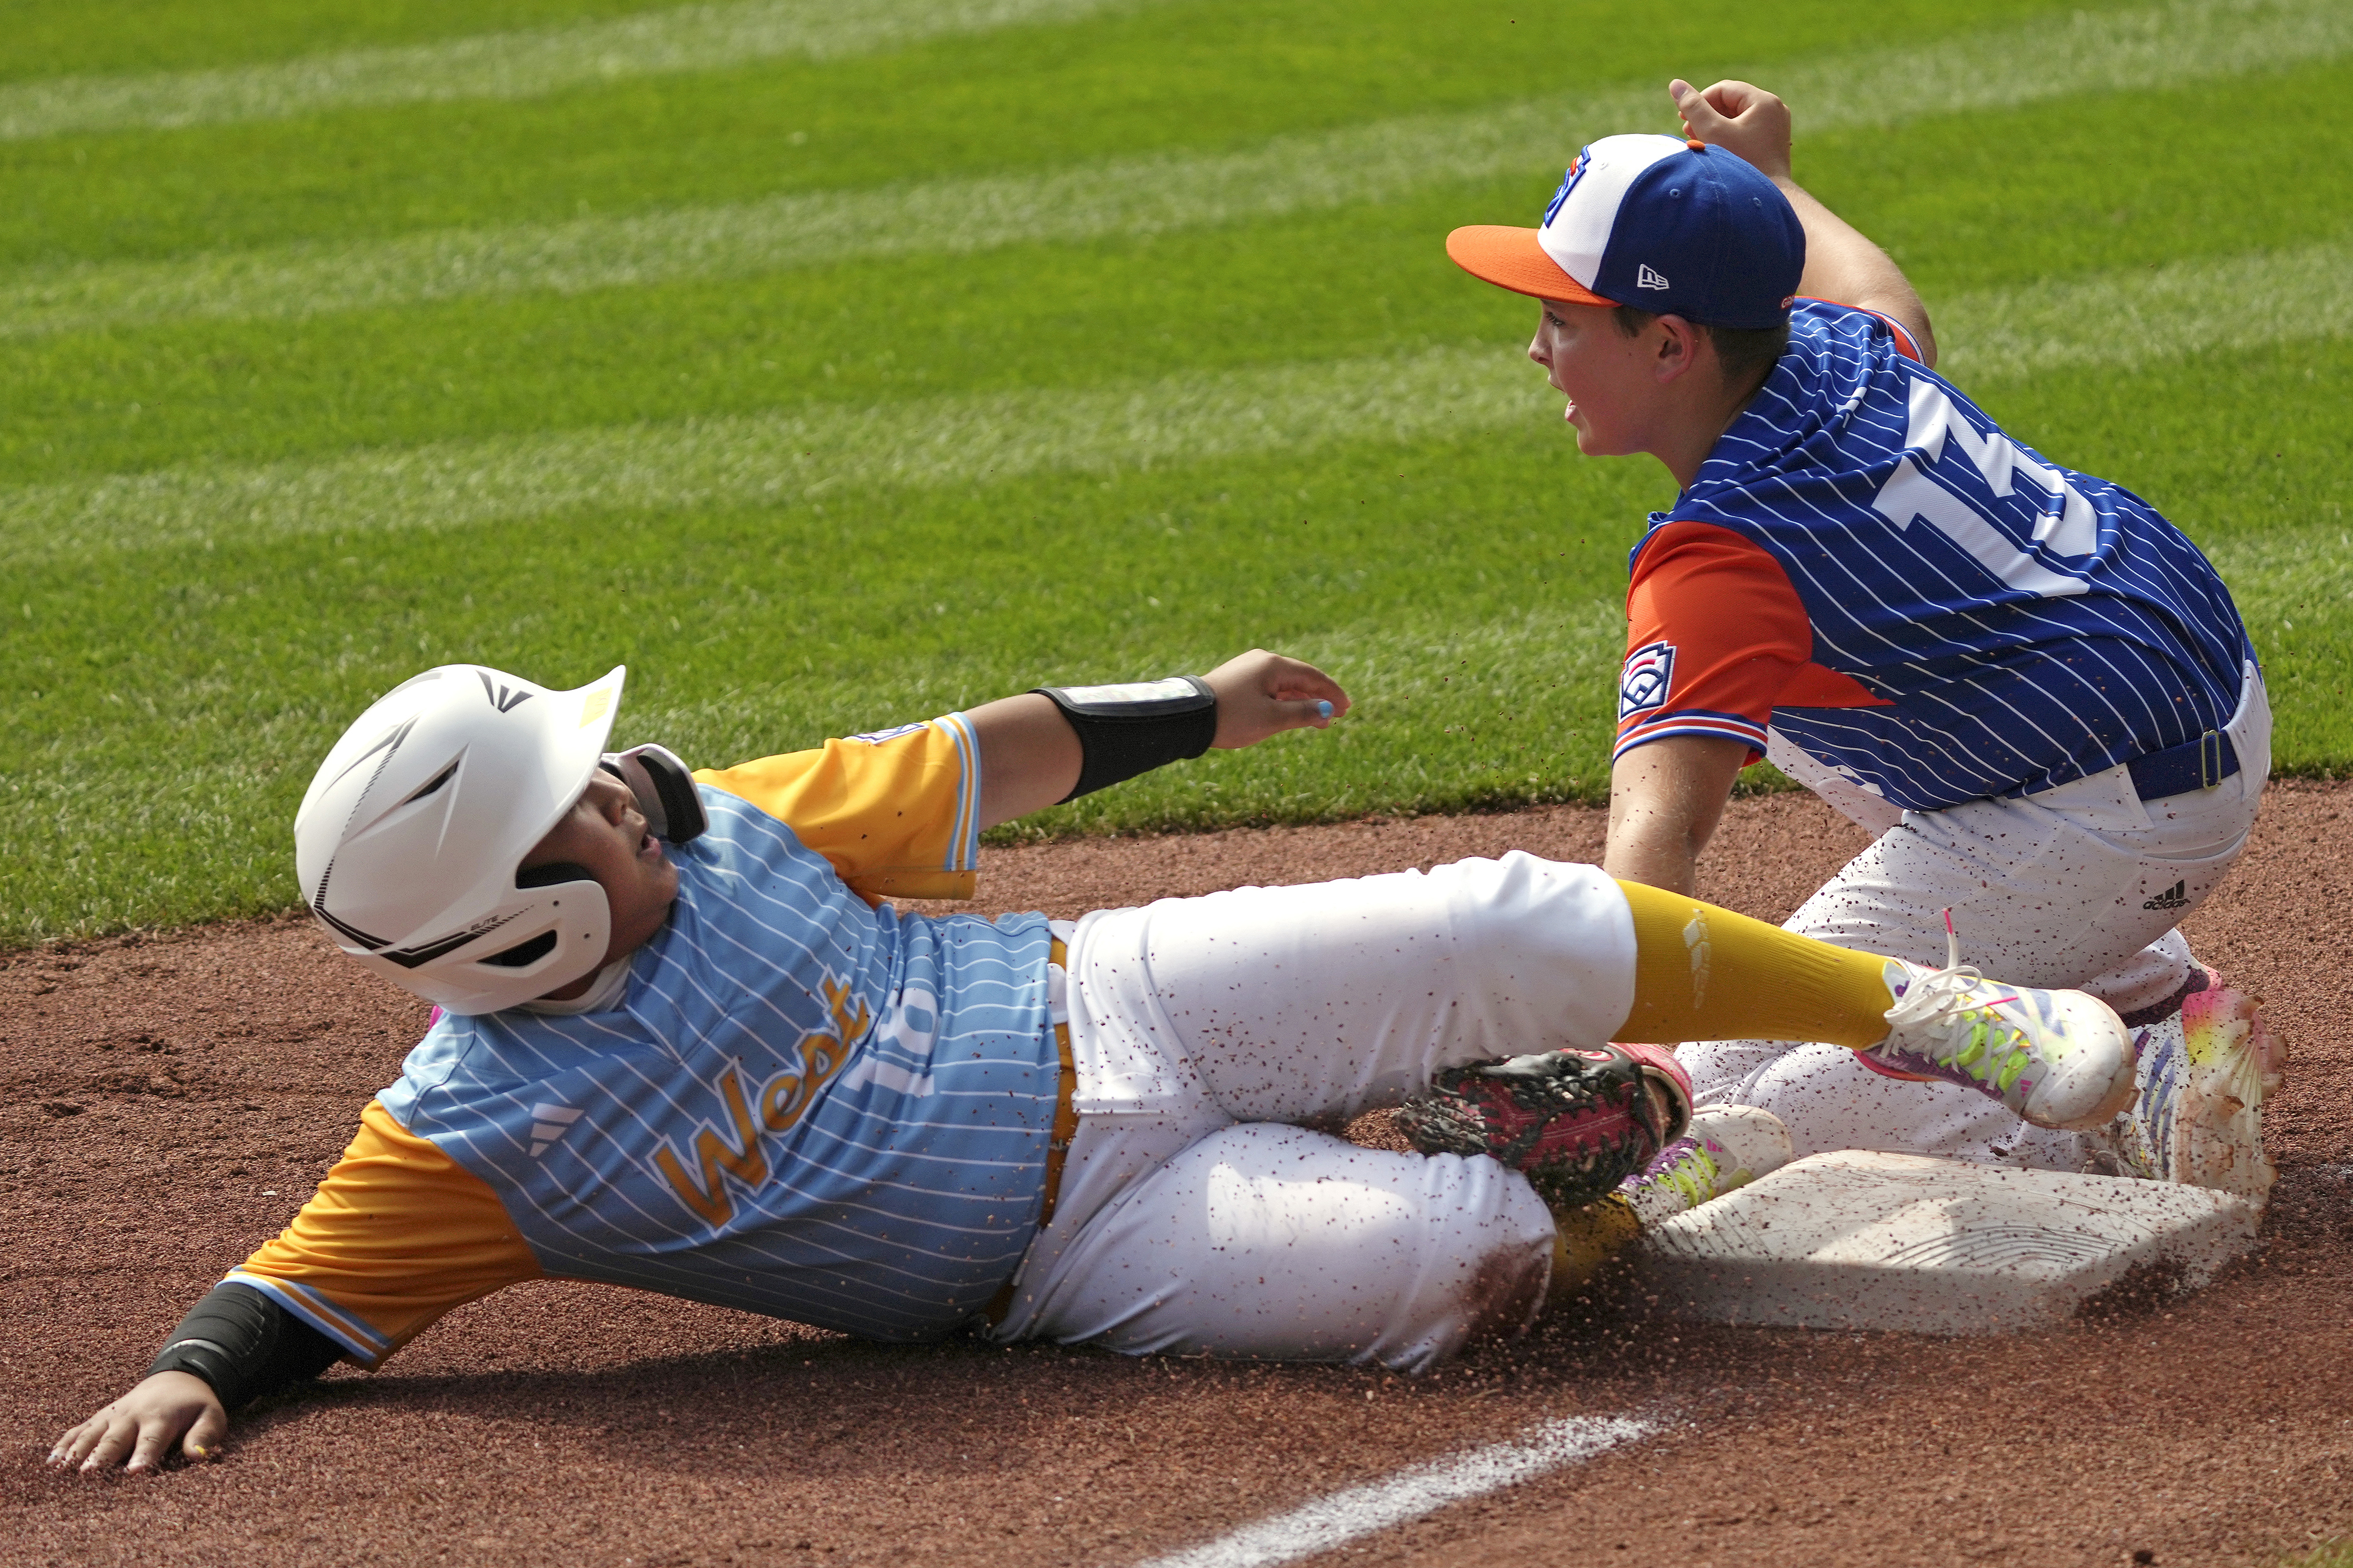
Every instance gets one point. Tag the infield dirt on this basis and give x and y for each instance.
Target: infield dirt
(170, 1100)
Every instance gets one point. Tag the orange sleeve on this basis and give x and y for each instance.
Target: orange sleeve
(1904, 343)
(397, 1234)
(896, 813)
(1716, 638)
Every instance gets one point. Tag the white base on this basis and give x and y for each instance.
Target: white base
(1862, 1240)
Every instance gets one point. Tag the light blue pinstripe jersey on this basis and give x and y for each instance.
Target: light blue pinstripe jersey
(803, 1106)
(2027, 624)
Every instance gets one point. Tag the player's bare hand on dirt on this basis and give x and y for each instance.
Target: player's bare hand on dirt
(1262, 694)
(1743, 119)
(167, 1408)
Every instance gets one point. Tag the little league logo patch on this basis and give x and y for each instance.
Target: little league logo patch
(1649, 676)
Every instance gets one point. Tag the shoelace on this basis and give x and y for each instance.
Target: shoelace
(1935, 996)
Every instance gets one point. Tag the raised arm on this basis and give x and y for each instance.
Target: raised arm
(1840, 263)
(1030, 757)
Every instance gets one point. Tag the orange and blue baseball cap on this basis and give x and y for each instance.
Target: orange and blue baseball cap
(1670, 227)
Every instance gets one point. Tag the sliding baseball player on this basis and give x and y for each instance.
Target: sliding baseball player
(687, 1046)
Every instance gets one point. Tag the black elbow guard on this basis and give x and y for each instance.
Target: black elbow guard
(245, 1345)
(1132, 728)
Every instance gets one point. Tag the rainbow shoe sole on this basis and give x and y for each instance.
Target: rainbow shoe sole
(2197, 1114)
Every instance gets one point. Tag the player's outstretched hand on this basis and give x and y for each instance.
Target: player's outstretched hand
(1743, 119)
(1262, 694)
(167, 1408)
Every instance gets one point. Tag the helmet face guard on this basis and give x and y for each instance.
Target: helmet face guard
(664, 786)
(409, 839)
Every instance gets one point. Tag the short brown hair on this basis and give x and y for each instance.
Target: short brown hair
(1746, 354)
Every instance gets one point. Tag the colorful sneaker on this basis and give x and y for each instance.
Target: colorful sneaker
(2205, 1070)
(1576, 1122)
(2058, 1058)
(1726, 1147)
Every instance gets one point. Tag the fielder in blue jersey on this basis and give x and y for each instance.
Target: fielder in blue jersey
(687, 1044)
(2025, 680)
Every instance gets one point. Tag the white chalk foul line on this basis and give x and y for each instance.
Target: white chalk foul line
(808, 453)
(2140, 50)
(1345, 1516)
(524, 64)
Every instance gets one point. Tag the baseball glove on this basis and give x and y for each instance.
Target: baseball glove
(1576, 1122)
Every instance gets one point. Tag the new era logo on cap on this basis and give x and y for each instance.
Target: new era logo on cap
(1646, 279)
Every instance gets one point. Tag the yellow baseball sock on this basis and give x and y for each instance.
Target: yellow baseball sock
(1586, 1239)
(1705, 974)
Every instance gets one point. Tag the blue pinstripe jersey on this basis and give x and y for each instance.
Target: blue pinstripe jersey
(2024, 624)
(804, 1106)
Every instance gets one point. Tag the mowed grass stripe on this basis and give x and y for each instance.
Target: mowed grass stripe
(2124, 319)
(512, 65)
(2120, 320)
(784, 455)
(2081, 53)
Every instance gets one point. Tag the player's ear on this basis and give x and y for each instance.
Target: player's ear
(1678, 349)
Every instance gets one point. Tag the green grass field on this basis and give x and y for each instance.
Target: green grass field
(833, 365)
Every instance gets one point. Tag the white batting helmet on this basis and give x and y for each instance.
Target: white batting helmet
(410, 835)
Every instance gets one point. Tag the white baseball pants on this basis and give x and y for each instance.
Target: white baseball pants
(1203, 1211)
(2079, 887)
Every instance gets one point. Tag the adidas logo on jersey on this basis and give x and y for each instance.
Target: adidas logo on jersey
(549, 1122)
(1646, 279)
(2173, 898)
